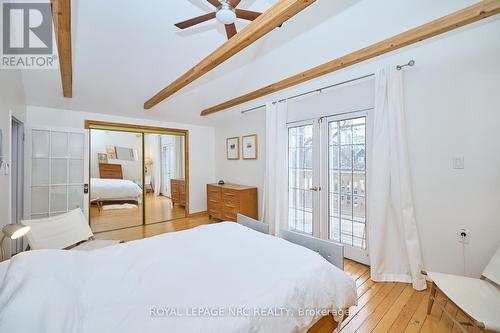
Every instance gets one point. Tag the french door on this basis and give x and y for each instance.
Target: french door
(58, 166)
(327, 181)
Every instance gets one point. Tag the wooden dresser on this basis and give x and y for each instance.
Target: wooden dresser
(178, 191)
(225, 201)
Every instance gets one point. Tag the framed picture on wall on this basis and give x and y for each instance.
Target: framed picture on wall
(102, 158)
(110, 150)
(249, 144)
(233, 148)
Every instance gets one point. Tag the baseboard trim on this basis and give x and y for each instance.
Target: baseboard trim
(198, 214)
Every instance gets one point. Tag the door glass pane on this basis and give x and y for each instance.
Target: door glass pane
(39, 200)
(76, 145)
(300, 178)
(75, 197)
(59, 169)
(58, 199)
(40, 171)
(76, 171)
(347, 173)
(59, 144)
(40, 144)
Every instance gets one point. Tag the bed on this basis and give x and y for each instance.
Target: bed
(222, 277)
(114, 191)
(111, 188)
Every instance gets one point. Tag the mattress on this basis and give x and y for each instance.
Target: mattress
(222, 277)
(114, 189)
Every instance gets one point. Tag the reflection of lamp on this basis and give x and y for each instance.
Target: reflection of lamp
(148, 162)
(13, 231)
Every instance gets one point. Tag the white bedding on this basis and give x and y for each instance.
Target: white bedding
(221, 267)
(114, 189)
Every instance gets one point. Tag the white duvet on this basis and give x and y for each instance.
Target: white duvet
(114, 189)
(214, 278)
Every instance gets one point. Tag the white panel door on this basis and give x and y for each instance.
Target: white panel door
(57, 171)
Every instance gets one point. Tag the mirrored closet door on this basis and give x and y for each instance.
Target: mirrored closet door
(165, 181)
(116, 179)
(137, 176)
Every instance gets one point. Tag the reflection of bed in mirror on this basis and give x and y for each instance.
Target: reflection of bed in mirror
(111, 188)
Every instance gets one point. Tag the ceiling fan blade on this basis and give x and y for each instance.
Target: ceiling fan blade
(214, 3)
(247, 14)
(230, 30)
(234, 3)
(194, 21)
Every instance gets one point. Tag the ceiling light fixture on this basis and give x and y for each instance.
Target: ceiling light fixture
(226, 14)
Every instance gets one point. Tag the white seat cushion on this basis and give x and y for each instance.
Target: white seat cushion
(95, 244)
(58, 232)
(480, 299)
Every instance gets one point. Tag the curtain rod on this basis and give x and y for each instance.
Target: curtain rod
(410, 63)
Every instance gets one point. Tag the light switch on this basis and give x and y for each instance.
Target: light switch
(458, 162)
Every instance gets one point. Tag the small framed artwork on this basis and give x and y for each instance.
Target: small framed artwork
(110, 150)
(102, 158)
(233, 148)
(249, 144)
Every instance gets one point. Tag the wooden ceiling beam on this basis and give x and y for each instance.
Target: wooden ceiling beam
(61, 15)
(439, 26)
(270, 19)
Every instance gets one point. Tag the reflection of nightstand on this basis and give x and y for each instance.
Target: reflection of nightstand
(147, 185)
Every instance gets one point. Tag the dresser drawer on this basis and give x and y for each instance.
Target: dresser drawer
(230, 195)
(229, 212)
(228, 216)
(212, 196)
(213, 190)
(215, 212)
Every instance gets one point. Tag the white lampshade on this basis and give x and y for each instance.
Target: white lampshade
(15, 231)
(226, 15)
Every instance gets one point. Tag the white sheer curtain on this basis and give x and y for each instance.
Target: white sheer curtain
(155, 155)
(393, 237)
(275, 186)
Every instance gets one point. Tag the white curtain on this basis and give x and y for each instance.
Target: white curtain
(393, 237)
(275, 203)
(155, 155)
(179, 156)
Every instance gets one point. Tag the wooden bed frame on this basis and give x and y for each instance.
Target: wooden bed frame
(112, 171)
(332, 252)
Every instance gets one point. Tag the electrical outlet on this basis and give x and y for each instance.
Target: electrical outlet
(463, 236)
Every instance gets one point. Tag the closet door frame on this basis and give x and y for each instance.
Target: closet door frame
(142, 129)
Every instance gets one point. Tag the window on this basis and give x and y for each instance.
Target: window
(300, 178)
(347, 181)
(327, 180)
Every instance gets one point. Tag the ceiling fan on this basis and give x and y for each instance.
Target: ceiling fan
(226, 13)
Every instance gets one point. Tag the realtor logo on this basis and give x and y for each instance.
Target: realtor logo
(27, 36)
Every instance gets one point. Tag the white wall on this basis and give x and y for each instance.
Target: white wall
(244, 172)
(12, 103)
(201, 144)
(132, 170)
(452, 101)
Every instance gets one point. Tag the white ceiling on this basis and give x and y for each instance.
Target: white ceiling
(126, 51)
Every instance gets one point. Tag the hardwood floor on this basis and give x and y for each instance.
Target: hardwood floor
(158, 208)
(382, 307)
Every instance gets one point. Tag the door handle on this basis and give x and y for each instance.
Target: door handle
(315, 188)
